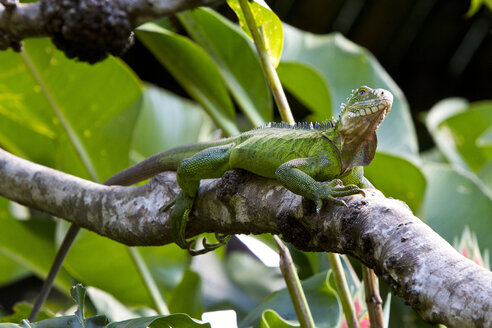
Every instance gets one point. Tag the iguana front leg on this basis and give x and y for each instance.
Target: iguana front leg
(207, 164)
(297, 176)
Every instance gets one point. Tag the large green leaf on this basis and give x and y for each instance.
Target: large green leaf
(65, 114)
(398, 178)
(170, 321)
(194, 70)
(236, 59)
(455, 198)
(11, 270)
(29, 243)
(167, 121)
(321, 298)
(267, 22)
(308, 86)
(346, 66)
(271, 319)
(187, 296)
(461, 130)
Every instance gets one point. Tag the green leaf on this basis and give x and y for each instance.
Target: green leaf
(79, 122)
(460, 130)
(267, 22)
(23, 310)
(11, 270)
(194, 70)
(187, 296)
(236, 59)
(170, 321)
(29, 243)
(69, 321)
(454, 199)
(88, 262)
(244, 270)
(167, 121)
(105, 303)
(346, 66)
(308, 86)
(78, 294)
(398, 178)
(320, 295)
(271, 319)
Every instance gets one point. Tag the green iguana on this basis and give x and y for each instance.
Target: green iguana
(298, 156)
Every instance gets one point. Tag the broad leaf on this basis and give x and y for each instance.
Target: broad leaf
(65, 114)
(308, 86)
(268, 23)
(398, 178)
(454, 199)
(238, 62)
(30, 244)
(165, 121)
(195, 71)
(321, 298)
(271, 319)
(187, 296)
(450, 122)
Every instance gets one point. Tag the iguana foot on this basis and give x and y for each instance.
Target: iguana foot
(222, 240)
(179, 220)
(333, 189)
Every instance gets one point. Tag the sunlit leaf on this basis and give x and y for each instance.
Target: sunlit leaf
(68, 115)
(267, 22)
(271, 319)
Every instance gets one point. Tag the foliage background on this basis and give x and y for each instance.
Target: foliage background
(93, 121)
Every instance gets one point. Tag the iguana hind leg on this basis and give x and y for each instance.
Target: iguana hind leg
(209, 163)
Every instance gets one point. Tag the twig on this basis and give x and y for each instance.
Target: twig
(373, 300)
(271, 73)
(294, 286)
(343, 291)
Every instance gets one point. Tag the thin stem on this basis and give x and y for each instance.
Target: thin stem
(373, 299)
(271, 73)
(149, 282)
(294, 286)
(55, 268)
(343, 291)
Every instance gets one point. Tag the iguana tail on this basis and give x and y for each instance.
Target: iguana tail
(165, 161)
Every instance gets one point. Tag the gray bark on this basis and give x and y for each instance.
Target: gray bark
(420, 266)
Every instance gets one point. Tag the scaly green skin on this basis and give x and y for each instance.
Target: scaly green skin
(297, 156)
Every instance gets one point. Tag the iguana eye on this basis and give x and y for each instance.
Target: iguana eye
(362, 92)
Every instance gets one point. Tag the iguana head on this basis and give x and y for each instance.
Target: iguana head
(359, 120)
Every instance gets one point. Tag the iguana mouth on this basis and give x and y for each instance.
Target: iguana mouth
(372, 110)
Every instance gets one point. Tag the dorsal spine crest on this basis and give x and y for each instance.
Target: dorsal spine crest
(328, 124)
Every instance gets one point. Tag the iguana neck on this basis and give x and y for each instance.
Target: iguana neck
(357, 146)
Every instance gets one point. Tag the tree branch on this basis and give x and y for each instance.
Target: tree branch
(420, 266)
(89, 30)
